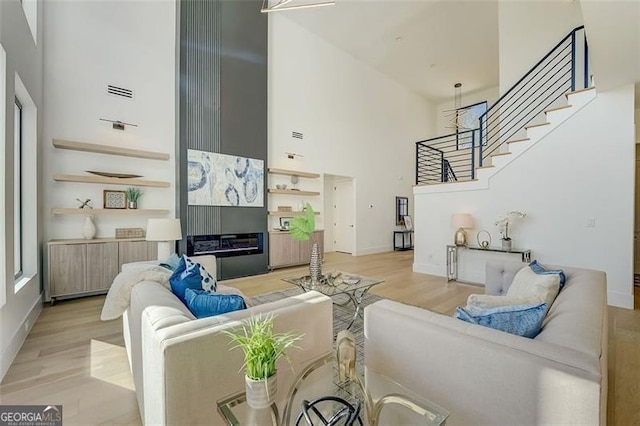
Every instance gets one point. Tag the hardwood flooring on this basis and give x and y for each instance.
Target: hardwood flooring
(74, 359)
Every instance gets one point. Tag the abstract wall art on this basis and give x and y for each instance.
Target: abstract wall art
(224, 180)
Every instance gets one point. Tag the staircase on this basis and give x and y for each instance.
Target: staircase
(553, 90)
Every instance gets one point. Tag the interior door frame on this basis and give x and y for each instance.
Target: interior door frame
(353, 213)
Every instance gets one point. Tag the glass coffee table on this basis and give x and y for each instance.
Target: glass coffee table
(337, 283)
(378, 399)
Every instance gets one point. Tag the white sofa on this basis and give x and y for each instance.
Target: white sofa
(181, 365)
(488, 377)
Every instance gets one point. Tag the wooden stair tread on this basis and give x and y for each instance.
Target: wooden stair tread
(499, 154)
(530, 126)
(485, 167)
(557, 108)
(444, 183)
(579, 91)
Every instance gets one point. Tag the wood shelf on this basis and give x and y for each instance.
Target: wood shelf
(110, 181)
(93, 241)
(293, 173)
(288, 214)
(291, 192)
(110, 212)
(110, 150)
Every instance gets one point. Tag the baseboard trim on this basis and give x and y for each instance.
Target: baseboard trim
(430, 269)
(620, 300)
(20, 336)
(372, 250)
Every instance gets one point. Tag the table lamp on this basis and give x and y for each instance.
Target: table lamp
(461, 221)
(164, 231)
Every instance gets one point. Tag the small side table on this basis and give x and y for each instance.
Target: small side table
(406, 236)
(452, 257)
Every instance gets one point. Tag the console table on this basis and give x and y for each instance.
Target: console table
(452, 257)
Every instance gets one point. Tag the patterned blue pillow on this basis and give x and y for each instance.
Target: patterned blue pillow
(171, 263)
(209, 283)
(203, 304)
(522, 320)
(185, 277)
(540, 269)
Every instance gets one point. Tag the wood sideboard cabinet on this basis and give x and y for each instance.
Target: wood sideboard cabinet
(87, 267)
(285, 251)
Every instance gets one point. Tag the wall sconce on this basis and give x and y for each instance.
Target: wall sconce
(293, 155)
(117, 124)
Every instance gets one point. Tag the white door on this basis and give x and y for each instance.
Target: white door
(343, 216)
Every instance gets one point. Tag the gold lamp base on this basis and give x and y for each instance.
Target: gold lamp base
(460, 238)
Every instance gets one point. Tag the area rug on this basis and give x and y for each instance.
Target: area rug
(341, 315)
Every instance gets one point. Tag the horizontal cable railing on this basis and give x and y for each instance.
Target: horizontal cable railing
(454, 157)
(554, 75)
(447, 158)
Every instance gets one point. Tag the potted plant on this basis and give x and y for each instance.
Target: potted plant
(302, 228)
(133, 194)
(503, 226)
(262, 348)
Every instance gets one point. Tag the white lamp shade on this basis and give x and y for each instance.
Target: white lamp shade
(462, 220)
(163, 230)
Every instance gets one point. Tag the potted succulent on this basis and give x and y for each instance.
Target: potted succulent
(133, 194)
(262, 348)
(503, 226)
(302, 228)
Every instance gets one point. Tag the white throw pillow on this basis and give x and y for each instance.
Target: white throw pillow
(527, 284)
(486, 301)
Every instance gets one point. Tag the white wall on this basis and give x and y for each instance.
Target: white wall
(584, 169)
(444, 126)
(23, 57)
(528, 30)
(356, 122)
(87, 46)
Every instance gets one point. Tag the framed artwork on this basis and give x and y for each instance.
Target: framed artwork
(467, 118)
(408, 223)
(284, 223)
(224, 180)
(402, 209)
(114, 199)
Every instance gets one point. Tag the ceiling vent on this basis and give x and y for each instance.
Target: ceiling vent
(297, 135)
(119, 91)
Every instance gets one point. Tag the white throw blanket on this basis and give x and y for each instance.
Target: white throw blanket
(119, 295)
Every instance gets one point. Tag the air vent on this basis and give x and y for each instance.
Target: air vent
(119, 91)
(297, 135)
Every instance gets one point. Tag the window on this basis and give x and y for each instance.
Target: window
(17, 190)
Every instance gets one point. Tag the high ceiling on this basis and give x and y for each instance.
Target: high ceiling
(427, 46)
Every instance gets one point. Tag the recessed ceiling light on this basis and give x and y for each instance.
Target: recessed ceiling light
(432, 65)
(398, 39)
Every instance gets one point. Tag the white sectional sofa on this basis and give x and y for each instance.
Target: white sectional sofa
(489, 377)
(181, 365)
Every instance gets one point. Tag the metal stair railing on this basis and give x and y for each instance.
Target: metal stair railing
(446, 158)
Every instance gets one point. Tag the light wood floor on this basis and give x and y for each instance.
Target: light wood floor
(74, 359)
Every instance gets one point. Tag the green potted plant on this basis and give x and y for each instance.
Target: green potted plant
(262, 348)
(302, 228)
(133, 194)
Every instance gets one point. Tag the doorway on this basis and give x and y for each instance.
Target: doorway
(636, 223)
(340, 229)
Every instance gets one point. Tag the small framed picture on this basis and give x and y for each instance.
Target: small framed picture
(284, 223)
(114, 199)
(408, 223)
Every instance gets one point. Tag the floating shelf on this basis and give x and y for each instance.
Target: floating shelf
(288, 214)
(293, 173)
(110, 181)
(291, 192)
(111, 212)
(108, 149)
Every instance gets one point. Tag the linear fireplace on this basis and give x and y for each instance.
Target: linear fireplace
(225, 245)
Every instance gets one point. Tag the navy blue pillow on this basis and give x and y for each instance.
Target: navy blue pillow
(203, 304)
(185, 277)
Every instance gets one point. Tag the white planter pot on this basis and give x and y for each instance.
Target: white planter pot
(261, 393)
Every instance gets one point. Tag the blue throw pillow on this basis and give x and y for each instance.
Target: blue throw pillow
(209, 283)
(203, 304)
(185, 277)
(522, 320)
(172, 262)
(539, 269)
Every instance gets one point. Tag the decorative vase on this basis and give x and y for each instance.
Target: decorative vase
(89, 229)
(315, 267)
(261, 393)
(133, 205)
(506, 244)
